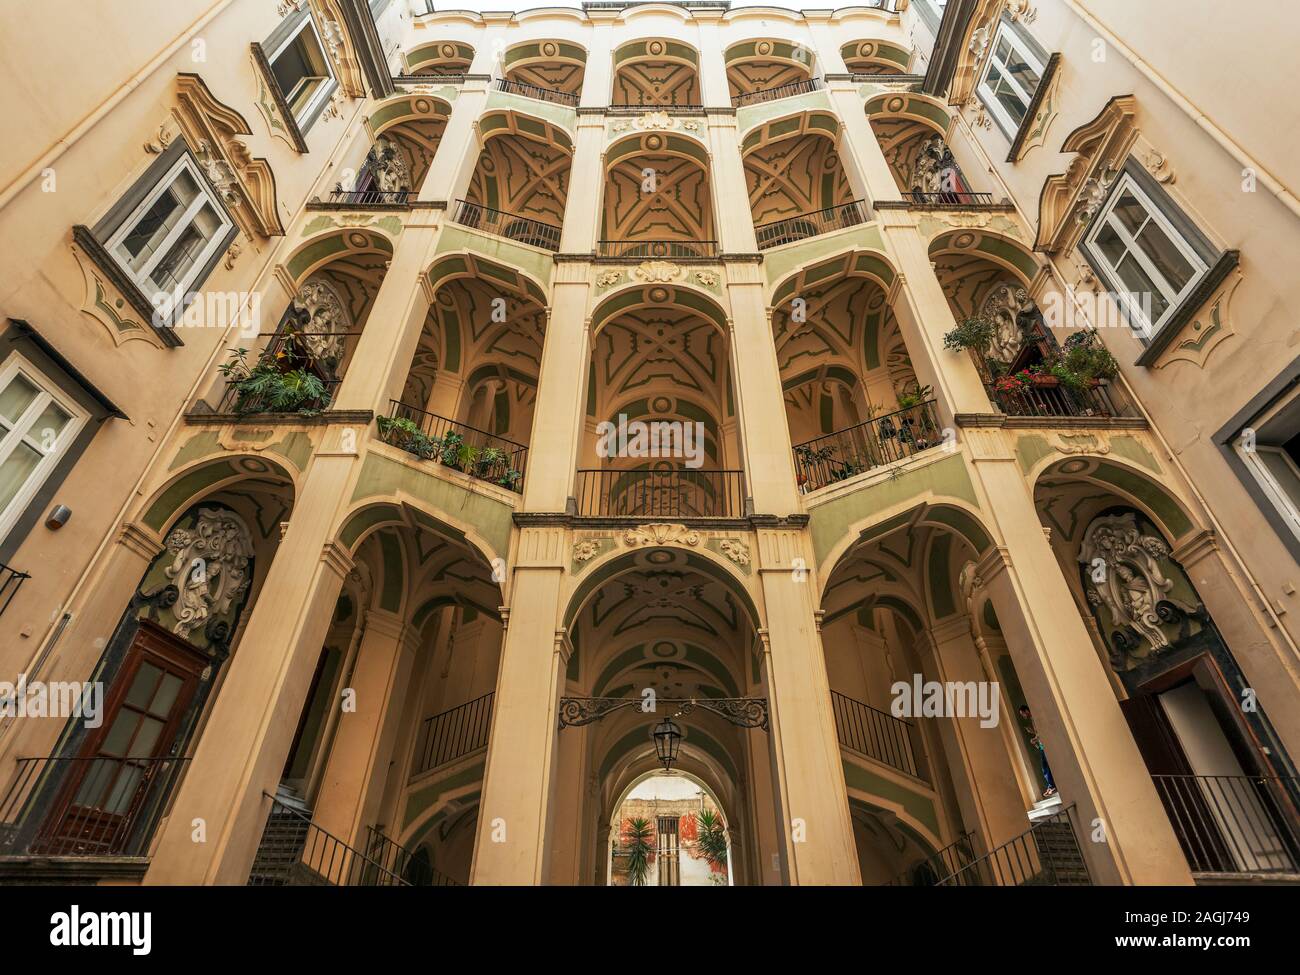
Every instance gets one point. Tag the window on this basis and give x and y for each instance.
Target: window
(302, 72)
(38, 423)
(1142, 256)
(1268, 447)
(1011, 77)
(165, 242)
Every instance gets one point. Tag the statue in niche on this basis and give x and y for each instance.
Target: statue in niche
(1131, 575)
(209, 568)
(1015, 314)
(387, 167)
(321, 320)
(935, 169)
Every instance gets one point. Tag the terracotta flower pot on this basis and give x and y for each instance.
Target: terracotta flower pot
(1044, 381)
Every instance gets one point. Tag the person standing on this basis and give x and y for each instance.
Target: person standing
(1037, 742)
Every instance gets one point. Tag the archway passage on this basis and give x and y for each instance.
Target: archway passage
(911, 130)
(408, 131)
(764, 70)
(440, 58)
(875, 57)
(658, 200)
(549, 70)
(669, 832)
(656, 73)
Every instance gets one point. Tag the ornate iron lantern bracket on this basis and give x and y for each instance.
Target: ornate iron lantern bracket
(744, 712)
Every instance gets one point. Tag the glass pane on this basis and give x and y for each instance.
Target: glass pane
(1111, 245)
(1142, 290)
(142, 687)
(1019, 68)
(1131, 214)
(15, 470)
(119, 735)
(166, 696)
(96, 783)
(1010, 100)
(1168, 259)
(48, 426)
(1275, 461)
(16, 397)
(148, 233)
(124, 789)
(150, 730)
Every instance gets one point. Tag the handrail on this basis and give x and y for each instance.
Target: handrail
(676, 493)
(456, 445)
(398, 860)
(801, 226)
(957, 854)
(944, 198)
(871, 732)
(537, 92)
(1035, 857)
(324, 855)
(790, 88)
(1233, 823)
(872, 443)
(512, 226)
(11, 580)
(454, 733)
(341, 197)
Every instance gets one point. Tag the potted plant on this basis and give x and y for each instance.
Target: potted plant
(973, 334)
(1012, 385)
(263, 388)
(712, 840)
(1086, 356)
(638, 840)
(914, 395)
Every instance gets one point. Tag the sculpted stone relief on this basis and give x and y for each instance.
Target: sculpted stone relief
(322, 317)
(209, 568)
(386, 162)
(1011, 309)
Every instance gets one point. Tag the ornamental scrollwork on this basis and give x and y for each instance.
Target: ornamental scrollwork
(660, 534)
(209, 568)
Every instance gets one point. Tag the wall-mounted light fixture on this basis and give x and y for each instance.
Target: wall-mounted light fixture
(58, 517)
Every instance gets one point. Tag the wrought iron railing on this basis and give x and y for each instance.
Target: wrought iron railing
(948, 199)
(683, 493)
(666, 249)
(342, 197)
(1101, 400)
(1046, 854)
(1233, 823)
(83, 807)
(937, 866)
(780, 91)
(804, 225)
(889, 740)
(401, 862)
(289, 350)
(295, 852)
(873, 443)
(459, 446)
(11, 580)
(429, 79)
(453, 734)
(642, 107)
(537, 92)
(523, 230)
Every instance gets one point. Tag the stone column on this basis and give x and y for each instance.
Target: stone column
(364, 741)
(814, 808)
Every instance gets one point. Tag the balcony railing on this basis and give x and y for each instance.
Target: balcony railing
(1055, 400)
(523, 230)
(889, 740)
(1233, 823)
(295, 852)
(641, 109)
(874, 443)
(368, 198)
(805, 225)
(11, 580)
(538, 92)
(430, 79)
(456, 445)
(941, 199)
(1045, 855)
(666, 249)
(401, 862)
(290, 351)
(945, 863)
(84, 807)
(661, 494)
(453, 734)
(780, 91)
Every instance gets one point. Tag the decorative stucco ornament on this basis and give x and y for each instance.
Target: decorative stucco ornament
(1009, 307)
(607, 279)
(661, 534)
(657, 272)
(1093, 193)
(585, 551)
(209, 567)
(1021, 10)
(735, 549)
(389, 167)
(655, 120)
(706, 278)
(322, 316)
(218, 172)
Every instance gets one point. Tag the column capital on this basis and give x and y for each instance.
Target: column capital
(337, 559)
(1195, 548)
(990, 565)
(141, 541)
(563, 646)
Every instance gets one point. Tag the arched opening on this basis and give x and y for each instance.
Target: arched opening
(796, 182)
(658, 201)
(407, 132)
(669, 831)
(656, 73)
(521, 182)
(547, 70)
(439, 59)
(911, 131)
(875, 57)
(853, 401)
(1226, 780)
(662, 437)
(767, 69)
(468, 397)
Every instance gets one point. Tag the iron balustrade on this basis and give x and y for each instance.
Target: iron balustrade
(342, 197)
(667, 249)
(288, 350)
(885, 78)
(683, 493)
(1102, 400)
(780, 91)
(499, 223)
(930, 870)
(400, 861)
(459, 446)
(538, 92)
(1233, 823)
(644, 107)
(84, 807)
(295, 852)
(943, 199)
(11, 580)
(453, 734)
(873, 443)
(429, 79)
(1046, 854)
(883, 737)
(804, 225)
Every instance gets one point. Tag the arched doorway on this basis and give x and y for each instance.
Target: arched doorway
(669, 831)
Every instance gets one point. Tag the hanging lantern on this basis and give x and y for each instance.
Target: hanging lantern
(668, 740)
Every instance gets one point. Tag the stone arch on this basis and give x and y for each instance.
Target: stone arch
(870, 56)
(192, 483)
(792, 166)
(522, 169)
(655, 71)
(763, 63)
(680, 206)
(415, 124)
(330, 246)
(439, 58)
(401, 510)
(678, 294)
(557, 65)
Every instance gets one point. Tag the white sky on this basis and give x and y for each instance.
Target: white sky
(666, 787)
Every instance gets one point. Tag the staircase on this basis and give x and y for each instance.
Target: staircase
(1058, 852)
(1045, 855)
(279, 856)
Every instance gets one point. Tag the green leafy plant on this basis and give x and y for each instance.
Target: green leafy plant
(263, 388)
(1086, 356)
(914, 395)
(638, 839)
(975, 333)
(713, 839)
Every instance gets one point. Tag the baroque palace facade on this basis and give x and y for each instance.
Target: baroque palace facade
(962, 330)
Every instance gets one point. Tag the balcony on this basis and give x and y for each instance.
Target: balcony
(452, 734)
(675, 494)
(463, 448)
(11, 580)
(523, 230)
(1044, 396)
(880, 736)
(538, 93)
(873, 443)
(805, 225)
(780, 91)
(1244, 825)
(298, 372)
(673, 250)
(341, 199)
(918, 200)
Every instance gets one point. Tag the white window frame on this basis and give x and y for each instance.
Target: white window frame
(142, 277)
(1279, 496)
(48, 392)
(985, 90)
(325, 89)
(1106, 218)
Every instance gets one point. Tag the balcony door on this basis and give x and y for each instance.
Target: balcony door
(108, 784)
(669, 852)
